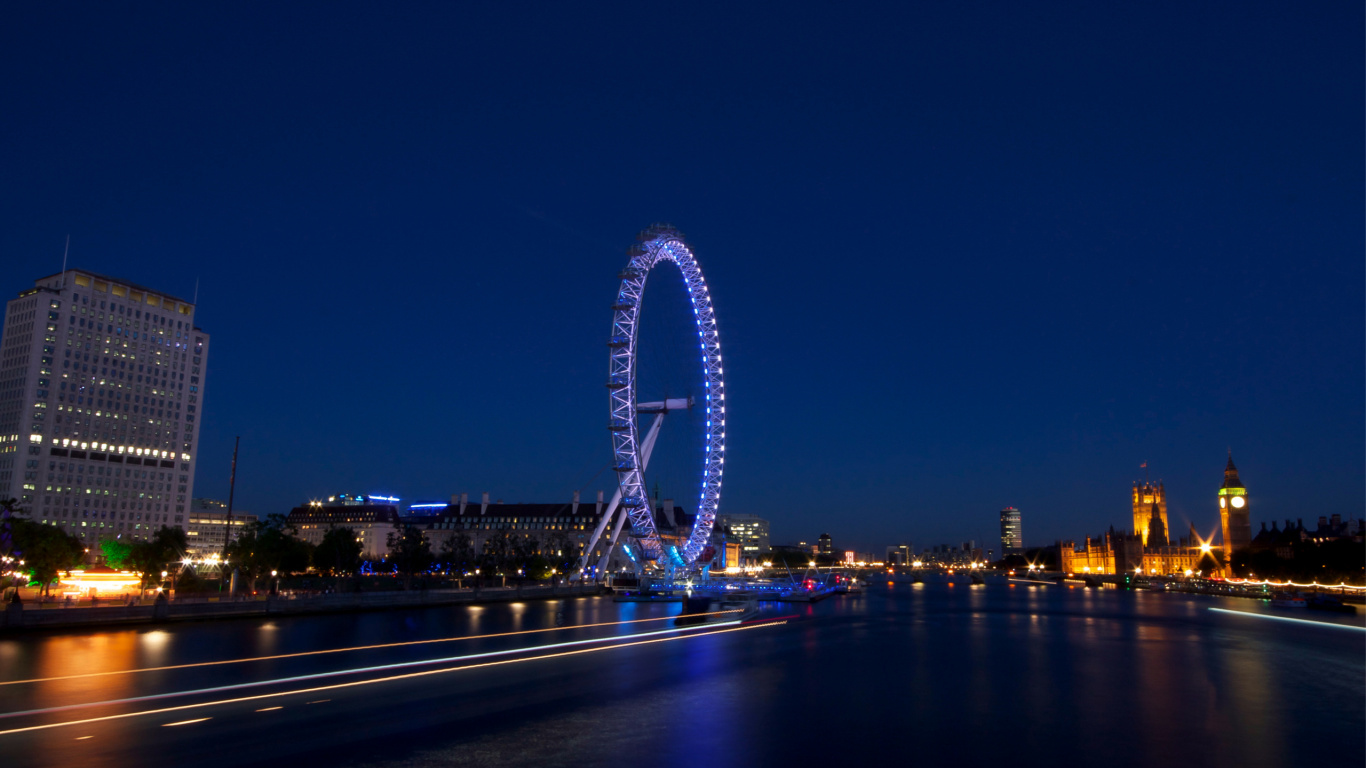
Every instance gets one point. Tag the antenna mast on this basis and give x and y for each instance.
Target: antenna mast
(232, 486)
(61, 283)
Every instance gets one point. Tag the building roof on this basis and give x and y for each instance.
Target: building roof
(337, 513)
(118, 280)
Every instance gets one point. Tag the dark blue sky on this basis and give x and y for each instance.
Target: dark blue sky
(963, 255)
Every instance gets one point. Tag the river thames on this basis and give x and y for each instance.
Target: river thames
(937, 674)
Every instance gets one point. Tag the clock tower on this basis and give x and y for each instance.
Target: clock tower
(1233, 511)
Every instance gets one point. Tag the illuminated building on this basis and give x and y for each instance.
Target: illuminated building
(825, 545)
(206, 526)
(1233, 510)
(99, 579)
(99, 416)
(750, 531)
(1150, 501)
(1150, 549)
(1116, 552)
(1012, 536)
(372, 523)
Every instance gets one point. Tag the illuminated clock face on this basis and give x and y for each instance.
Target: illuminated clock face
(1238, 502)
(1223, 502)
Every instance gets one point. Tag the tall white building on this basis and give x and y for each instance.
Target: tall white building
(101, 397)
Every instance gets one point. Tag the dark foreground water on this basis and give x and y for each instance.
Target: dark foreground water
(926, 674)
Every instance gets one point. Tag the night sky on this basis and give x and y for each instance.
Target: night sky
(963, 255)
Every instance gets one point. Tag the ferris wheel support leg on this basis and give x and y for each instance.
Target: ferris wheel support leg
(646, 449)
(616, 532)
(597, 534)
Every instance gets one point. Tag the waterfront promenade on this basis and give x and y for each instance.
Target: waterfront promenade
(57, 614)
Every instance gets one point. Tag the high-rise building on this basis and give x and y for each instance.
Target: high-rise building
(101, 390)
(825, 545)
(1012, 536)
(1233, 511)
(749, 531)
(1150, 502)
(901, 554)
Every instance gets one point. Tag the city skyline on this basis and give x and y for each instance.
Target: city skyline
(409, 272)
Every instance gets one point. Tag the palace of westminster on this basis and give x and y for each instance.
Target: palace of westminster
(1151, 549)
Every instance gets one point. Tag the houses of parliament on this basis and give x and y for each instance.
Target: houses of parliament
(1151, 549)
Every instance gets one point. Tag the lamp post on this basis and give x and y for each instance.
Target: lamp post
(275, 585)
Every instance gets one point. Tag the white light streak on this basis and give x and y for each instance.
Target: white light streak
(1287, 618)
(409, 675)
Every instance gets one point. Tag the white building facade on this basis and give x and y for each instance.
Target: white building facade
(209, 529)
(102, 386)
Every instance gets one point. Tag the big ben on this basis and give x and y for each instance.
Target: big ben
(1233, 510)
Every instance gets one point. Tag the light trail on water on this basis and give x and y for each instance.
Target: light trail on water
(406, 676)
(352, 671)
(1287, 618)
(346, 650)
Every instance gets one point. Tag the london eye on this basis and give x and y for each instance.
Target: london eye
(632, 446)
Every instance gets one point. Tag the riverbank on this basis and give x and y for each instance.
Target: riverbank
(18, 617)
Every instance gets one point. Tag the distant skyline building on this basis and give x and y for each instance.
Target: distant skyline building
(101, 392)
(901, 554)
(749, 531)
(1012, 535)
(825, 545)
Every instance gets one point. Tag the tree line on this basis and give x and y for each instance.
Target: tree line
(273, 546)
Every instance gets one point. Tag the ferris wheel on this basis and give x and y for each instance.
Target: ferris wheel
(631, 449)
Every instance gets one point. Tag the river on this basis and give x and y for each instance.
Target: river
(937, 674)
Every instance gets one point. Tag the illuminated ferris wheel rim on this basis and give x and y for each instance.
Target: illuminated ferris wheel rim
(656, 244)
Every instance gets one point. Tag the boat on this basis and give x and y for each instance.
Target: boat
(1330, 603)
(645, 597)
(1289, 600)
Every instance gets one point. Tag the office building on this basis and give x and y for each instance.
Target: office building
(102, 385)
(749, 531)
(1012, 536)
(825, 545)
(207, 526)
(901, 554)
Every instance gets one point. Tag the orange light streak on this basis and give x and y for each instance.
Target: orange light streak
(346, 650)
(357, 683)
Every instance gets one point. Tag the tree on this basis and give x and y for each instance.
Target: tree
(338, 554)
(116, 553)
(498, 553)
(151, 556)
(457, 552)
(410, 552)
(45, 549)
(269, 545)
